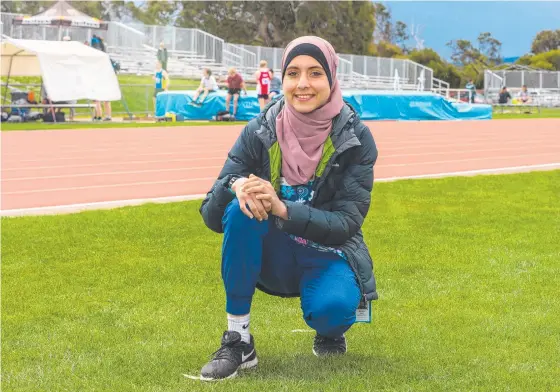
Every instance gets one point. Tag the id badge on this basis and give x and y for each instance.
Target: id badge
(363, 313)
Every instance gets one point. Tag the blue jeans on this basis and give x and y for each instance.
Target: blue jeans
(256, 251)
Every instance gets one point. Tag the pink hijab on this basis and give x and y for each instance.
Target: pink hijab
(302, 135)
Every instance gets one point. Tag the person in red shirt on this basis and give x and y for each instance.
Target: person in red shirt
(234, 83)
(263, 78)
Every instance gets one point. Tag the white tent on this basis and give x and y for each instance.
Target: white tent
(70, 70)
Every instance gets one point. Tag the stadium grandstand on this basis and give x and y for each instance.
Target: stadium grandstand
(134, 46)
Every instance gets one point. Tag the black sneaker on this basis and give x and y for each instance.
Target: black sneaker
(234, 354)
(323, 345)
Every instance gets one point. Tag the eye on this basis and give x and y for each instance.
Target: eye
(292, 73)
(316, 74)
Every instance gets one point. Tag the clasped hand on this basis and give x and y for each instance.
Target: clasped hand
(260, 196)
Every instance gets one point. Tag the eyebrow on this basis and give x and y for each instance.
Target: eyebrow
(313, 67)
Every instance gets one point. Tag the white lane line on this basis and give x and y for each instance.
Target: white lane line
(511, 169)
(81, 157)
(380, 143)
(113, 163)
(383, 154)
(132, 149)
(114, 173)
(125, 184)
(72, 208)
(467, 160)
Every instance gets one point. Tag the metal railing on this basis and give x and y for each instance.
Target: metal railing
(440, 87)
(138, 97)
(239, 57)
(408, 71)
(208, 50)
(533, 79)
(119, 34)
(272, 55)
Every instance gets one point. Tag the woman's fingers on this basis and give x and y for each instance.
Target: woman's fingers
(256, 208)
(264, 196)
(243, 207)
(266, 200)
(261, 211)
(251, 181)
(254, 189)
(267, 205)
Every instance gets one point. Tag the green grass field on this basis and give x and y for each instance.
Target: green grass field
(131, 299)
(544, 113)
(137, 92)
(41, 126)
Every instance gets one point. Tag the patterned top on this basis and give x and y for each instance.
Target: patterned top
(303, 194)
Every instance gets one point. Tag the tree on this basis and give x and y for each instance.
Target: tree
(387, 49)
(487, 54)
(383, 28)
(348, 25)
(548, 60)
(401, 35)
(490, 47)
(24, 7)
(442, 69)
(546, 41)
(156, 12)
(463, 53)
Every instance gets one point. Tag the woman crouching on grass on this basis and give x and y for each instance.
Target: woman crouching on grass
(291, 200)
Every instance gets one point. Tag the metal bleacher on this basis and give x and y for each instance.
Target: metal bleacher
(134, 46)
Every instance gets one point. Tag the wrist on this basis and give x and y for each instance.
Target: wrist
(236, 182)
(281, 210)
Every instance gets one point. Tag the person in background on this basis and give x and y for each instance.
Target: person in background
(262, 77)
(162, 55)
(161, 79)
(275, 85)
(97, 43)
(472, 90)
(234, 83)
(99, 111)
(207, 85)
(523, 95)
(504, 96)
(71, 111)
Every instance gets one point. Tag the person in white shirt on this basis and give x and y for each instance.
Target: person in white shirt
(523, 95)
(208, 85)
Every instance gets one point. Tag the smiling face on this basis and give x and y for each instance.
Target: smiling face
(305, 85)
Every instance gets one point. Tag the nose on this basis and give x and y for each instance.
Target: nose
(303, 82)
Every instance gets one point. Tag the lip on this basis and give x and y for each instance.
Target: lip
(304, 97)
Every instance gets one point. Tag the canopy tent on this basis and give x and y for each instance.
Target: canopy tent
(62, 14)
(70, 70)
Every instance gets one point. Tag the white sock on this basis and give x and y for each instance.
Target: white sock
(240, 324)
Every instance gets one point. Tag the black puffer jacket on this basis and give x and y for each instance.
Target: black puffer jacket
(342, 191)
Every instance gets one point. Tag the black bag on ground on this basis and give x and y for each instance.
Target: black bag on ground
(223, 115)
(59, 116)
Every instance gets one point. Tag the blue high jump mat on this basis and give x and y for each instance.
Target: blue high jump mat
(370, 104)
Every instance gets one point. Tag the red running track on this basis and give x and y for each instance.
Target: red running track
(69, 167)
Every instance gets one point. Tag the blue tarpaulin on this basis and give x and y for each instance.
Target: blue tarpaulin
(370, 104)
